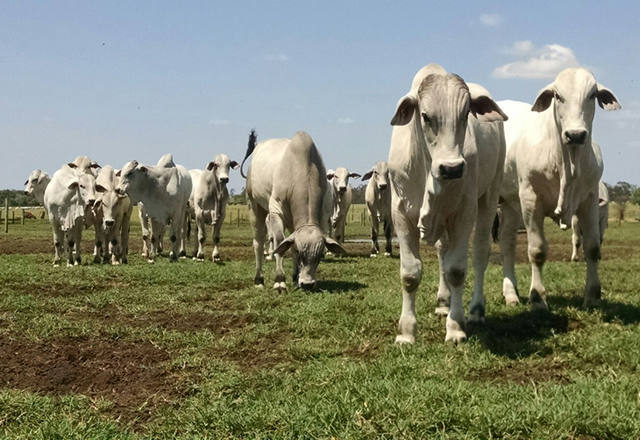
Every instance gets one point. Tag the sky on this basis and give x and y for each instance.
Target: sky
(123, 80)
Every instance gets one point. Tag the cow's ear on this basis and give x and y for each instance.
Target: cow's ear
(285, 244)
(606, 99)
(72, 165)
(143, 169)
(94, 164)
(404, 110)
(330, 174)
(334, 246)
(119, 173)
(100, 188)
(73, 185)
(367, 175)
(233, 164)
(544, 98)
(485, 109)
(354, 175)
(25, 182)
(211, 165)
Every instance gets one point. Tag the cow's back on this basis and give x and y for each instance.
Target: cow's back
(262, 170)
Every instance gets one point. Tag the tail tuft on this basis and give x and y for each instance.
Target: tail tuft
(251, 145)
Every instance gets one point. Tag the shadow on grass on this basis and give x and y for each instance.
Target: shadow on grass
(339, 286)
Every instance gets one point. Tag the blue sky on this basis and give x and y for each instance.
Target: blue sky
(135, 80)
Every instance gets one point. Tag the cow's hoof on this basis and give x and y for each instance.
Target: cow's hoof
(183, 257)
(455, 332)
(77, 263)
(442, 310)
(539, 306)
(387, 254)
(97, 259)
(125, 261)
(69, 264)
(591, 303)
(329, 254)
(259, 286)
(537, 301)
(476, 318)
(268, 258)
(511, 299)
(405, 339)
(151, 261)
(280, 286)
(56, 264)
(115, 263)
(216, 258)
(373, 255)
(575, 258)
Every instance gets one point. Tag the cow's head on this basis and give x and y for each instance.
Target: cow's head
(310, 245)
(36, 183)
(108, 203)
(573, 94)
(220, 167)
(85, 187)
(441, 104)
(379, 174)
(340, 179)
(132, 176)
(85, 165)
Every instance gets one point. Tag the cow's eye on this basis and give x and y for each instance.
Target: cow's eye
(82, 186)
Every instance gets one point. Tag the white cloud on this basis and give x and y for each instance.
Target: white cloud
(345, 121)
(219, 122)
(491, 20)
(545, 62)
(280, 57)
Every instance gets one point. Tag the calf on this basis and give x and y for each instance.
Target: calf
(552, 169)
(208, 201)
(36, 184)
(445, 168)
(341, 198)
(378, 200)
(164, 190)
(287, 182)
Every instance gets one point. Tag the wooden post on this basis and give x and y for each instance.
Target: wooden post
(238, 217)
(23, 216)
(13, 216)
(6, 216)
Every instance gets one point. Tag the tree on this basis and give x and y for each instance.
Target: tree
(621, 194)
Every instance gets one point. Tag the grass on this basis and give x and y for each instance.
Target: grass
(192, 350)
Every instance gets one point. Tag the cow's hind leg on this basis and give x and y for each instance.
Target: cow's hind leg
(508, 230)
(575, 238)
(58, 244)
(375, 248)
(201, 235)
(537, 250)
(277, 229)
(217, 226)
(443, 300)
(388, 230)
(481, 251)
(76, 233)
(410, 274)
(589, 225)
(259, 235)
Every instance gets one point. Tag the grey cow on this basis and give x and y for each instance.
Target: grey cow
(378, 199)
(341, 200)
(287, 183)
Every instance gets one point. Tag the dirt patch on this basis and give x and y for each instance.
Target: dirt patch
(62, 289)
(524, 373)
(134, 376)
(263, 353)
(366, 350)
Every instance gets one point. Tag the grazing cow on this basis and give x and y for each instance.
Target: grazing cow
(69, 195)
(208, 201)
(36, 185)
(115, 211)
(341, 196)
(603, 221)
(287, 182)
(445, 168)
(378, 200)
(552, 169)
(164, 190)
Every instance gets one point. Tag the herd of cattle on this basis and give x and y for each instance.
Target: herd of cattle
(457, 157)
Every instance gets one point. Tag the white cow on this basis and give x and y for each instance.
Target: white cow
(378, 200)
(603, 221)
(69, 195)
(36, 184)
(287, 182)
(552, 170)
(208, 201)
(164, 190)
(445, 168)
(341, 200)
(115, 211)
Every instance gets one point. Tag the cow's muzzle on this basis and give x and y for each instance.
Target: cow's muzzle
(109, 223)
(224, 180)
(575, 137)
(342, 189)
(451, 170)
(382, 186)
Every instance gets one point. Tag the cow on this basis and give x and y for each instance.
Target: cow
(445, 169)
(208, 201)
(603, 221)
(378, 200)
(115, 211)
(341, 200)
(36, 184)
(145, 224)
(70, 194)
(164, 190)
(287, 182)
(552, 169)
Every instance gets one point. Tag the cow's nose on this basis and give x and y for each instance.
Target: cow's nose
(452, 170)
(109, 223)
(575, 136)
(224, 179)
(307, 285)
(342, 189)
(382, 186)
(26, 192)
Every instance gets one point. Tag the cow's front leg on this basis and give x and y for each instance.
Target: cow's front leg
(182, 238)
(481, 250)
(259, 235)
(201, 235)
(443, 300)
(76, 234)
(388, 231)
(575, 238)
(508, 230)
(175, 237)
(589, 225)
(375, 248)
(410, 274)
(155, 232)
(58, 244)
(533, 216)
(277, 229)
(217, 226)
(124, 237)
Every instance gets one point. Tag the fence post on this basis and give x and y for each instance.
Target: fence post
(238, 216)
(23, 216)
(6, 216)
(13, 216)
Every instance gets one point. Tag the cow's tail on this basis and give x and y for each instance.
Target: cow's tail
(251, 145)
(495, 229)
